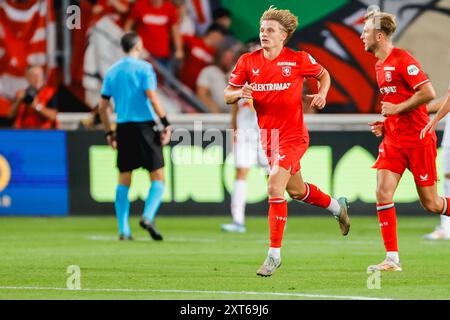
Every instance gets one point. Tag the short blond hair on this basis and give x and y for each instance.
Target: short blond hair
(288, 21)
(383, 21)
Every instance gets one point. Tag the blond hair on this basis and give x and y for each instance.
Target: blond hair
(285, 18)
(383, 21)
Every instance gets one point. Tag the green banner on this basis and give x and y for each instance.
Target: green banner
(246, 14)
(200, 175)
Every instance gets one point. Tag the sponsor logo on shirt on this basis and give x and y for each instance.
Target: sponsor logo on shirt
(286, 63)
(271, 86)
(388, 76)
(156, 20)
(286, 71)
(386, 90)
(413, 70)
(202, 55)
(255, 72)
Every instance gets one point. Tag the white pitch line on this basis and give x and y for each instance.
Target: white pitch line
(278, 294)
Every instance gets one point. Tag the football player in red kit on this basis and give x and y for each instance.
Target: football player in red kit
(273, 78)
(405, 91)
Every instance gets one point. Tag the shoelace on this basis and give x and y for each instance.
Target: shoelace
(271, 263)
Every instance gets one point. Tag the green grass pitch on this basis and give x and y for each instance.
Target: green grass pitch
(198, 261)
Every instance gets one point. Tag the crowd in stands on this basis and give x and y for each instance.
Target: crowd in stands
(197, 51)
(175, 39)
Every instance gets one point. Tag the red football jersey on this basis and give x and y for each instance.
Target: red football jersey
(277, 91)
(154, 26)
(398, 78)
(198, 56)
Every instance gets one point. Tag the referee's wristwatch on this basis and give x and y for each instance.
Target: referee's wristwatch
(165, 122)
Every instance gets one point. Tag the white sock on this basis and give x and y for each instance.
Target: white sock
(238, 200)
(334, 207)
(275, 252)
(445, 224)
(393, 255)
(445, 221)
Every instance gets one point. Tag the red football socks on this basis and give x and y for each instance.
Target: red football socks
(315, 197)
(388, 224)
(277, 220)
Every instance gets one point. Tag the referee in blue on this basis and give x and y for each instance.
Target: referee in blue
(131, 82)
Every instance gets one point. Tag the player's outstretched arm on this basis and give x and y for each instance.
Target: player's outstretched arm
(442, 112)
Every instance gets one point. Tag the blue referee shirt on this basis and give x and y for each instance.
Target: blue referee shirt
(126, 82)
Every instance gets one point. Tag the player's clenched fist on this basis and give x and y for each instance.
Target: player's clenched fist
(246, 91)
(377, 128)
(388, 109)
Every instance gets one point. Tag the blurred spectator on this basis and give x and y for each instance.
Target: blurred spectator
(199, 54)
(222, 17)
(213, 80)
(156, 21)
(117, 9)
(27, 36)
(110, 6)
(35, 107)
(187, 22)
(103, 45)
(202, 14)
(5, 106)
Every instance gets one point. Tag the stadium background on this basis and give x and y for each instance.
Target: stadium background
(71, 170)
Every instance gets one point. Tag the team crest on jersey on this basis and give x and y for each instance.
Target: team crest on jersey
(388, 76)
(286, 71)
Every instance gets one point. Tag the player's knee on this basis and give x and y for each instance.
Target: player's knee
(296, 194)
(384, 196)
(241, 173)
(157, 175)
(432, 205)
(275, 191)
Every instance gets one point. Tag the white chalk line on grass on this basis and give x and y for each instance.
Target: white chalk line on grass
(248, 293)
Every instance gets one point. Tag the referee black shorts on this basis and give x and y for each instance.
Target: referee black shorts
(138, 145)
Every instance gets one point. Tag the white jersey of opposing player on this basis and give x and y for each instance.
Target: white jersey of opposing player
(248, 150)
(246, 118)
